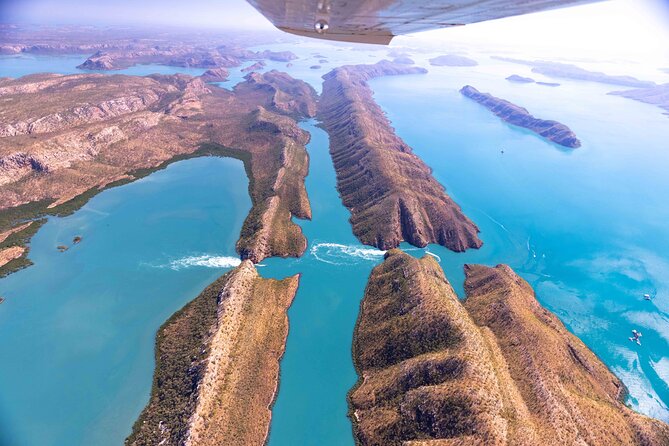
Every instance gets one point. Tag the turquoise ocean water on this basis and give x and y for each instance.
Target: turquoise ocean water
(587, 228)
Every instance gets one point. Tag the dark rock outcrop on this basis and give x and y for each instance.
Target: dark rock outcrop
(516, 115)
(390, 192)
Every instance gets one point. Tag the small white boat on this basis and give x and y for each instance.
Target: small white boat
(646, 296)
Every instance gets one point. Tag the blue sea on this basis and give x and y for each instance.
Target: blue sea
(586, 228)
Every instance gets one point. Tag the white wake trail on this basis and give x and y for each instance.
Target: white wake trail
(206, 261)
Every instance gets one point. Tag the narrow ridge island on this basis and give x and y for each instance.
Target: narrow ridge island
(217, 364)
(390, 192)
(516, 115)
(498, 369)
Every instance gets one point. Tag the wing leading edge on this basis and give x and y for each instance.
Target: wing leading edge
(378, 21)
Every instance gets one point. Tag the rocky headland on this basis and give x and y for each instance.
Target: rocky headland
(254, 67)
(217, 364)
(498, 369)
(516, 115)
(215, 75)
(657, 95)
(63, 138)
(453, 60)
(390, 192)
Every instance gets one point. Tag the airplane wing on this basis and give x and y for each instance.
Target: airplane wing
(378, 21)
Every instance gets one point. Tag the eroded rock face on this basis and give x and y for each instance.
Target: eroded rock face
(390, 192)
(498, 370)
(218, 364)
(516, 115)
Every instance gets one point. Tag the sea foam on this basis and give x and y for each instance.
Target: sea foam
(338, 254)
(206, 261)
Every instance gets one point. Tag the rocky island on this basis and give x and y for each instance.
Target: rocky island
(453, 60)
(516, 115)
(217, 364)
(496, 370)
(63, 138)
(520, 79)
(528, 80)
(570, 71)
(390, 192)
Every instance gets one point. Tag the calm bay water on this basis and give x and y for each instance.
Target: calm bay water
(587, 228)
(78, 327)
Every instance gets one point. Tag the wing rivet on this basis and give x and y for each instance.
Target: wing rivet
(321, 26)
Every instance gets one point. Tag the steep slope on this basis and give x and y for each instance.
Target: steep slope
(572, 396)
(390, 192)
(516, 115)
(498, 370)
(426, 370)
(218, 364)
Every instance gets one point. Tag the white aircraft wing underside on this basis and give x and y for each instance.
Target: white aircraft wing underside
(378, 21)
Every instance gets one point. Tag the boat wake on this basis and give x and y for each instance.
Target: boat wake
(338, 254)
(204, 261)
